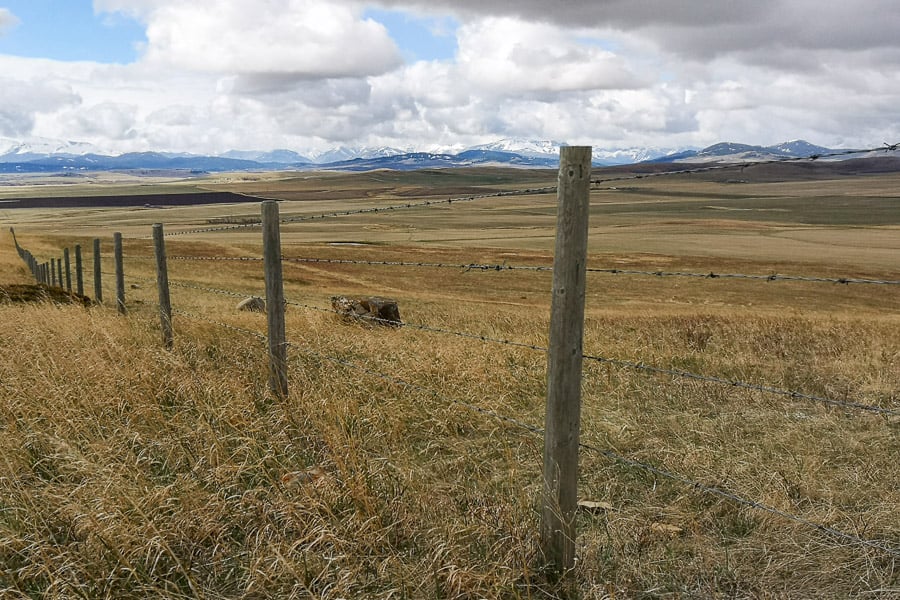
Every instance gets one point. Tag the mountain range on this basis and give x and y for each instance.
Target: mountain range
(48, 156)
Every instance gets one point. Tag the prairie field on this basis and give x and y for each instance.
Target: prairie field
(404, 462)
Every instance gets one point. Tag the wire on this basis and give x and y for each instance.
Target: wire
(473, 266)
(639, 366)
(741, 384)
(609, 454)
(255, 334)
(716, 491)
(773, 277)
(373, 210)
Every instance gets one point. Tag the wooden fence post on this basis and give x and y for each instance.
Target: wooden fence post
(563, 416)
(59, 275)
(120, 273)
(162, 284)
(79, 273)
(98, 283)
(68, 269)
(53, 272)
(278, 383)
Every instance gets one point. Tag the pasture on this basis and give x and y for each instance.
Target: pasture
(132, 471)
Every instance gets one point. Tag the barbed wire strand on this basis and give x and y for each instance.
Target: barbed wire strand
(609, 454)
(637, 366)
(532, 191)
(717, 491)
(372, 210)
(487, 267)
(234, 328)
(615, 457)
(741, 384)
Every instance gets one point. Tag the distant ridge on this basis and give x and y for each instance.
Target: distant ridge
(47, 156)
(734, 152)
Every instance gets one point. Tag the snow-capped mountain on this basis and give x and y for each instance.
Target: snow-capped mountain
(522, 147)
(342, 153)
(549, 149)
(36, 148)
(53, 156)
(278, 157)
(734, 152)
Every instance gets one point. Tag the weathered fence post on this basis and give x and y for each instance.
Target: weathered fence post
(79, 273)
(59, 275)
(68, 269)
(563, 416)
(120, 273)
(98, 283)
(162, 284)
(278, 383)
(53, 272)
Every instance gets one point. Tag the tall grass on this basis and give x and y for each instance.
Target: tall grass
(130, 471)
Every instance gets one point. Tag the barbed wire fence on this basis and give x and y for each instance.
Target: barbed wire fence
(58, 272)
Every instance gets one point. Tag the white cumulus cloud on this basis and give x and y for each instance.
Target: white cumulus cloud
(513, 56)
(303, 39)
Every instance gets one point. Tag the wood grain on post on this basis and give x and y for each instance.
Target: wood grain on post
(79, 272)
(278, 383)
(53, 272)
(98, 283)
(59, 275)
(563, 416)
(120, 273)
(68, 269)
(162, 284)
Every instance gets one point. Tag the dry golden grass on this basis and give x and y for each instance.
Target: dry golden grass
(130, 471)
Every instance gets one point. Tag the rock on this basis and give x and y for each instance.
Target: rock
(252, 304)
(372, 309)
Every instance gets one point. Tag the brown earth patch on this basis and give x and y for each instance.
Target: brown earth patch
(39, 293)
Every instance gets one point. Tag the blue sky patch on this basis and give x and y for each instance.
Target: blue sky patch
(70, 30)
(418, 38)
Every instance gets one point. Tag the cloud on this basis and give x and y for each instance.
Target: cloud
(21, 101)
(286, 39)
(704, 30)
(511, 56)
(7, 21)
(109, 120)
(310, 74)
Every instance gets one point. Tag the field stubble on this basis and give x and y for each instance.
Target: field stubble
(130, 471)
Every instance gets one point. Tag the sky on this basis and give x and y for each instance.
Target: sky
(310, 75)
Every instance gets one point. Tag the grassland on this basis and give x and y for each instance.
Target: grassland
(131, 471)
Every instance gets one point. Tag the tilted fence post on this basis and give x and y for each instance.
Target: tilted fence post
(79, 273)
(53, 272)
(68, 269)
(120, 273)
(98, 283)
(59, 275)
(162, 284)
(563, 416)
(278, 383)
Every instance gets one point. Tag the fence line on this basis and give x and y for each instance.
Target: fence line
(637, 366)
(532, 191)
(609, 454)
(275, 259)
(486, 267)
(371, 210)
